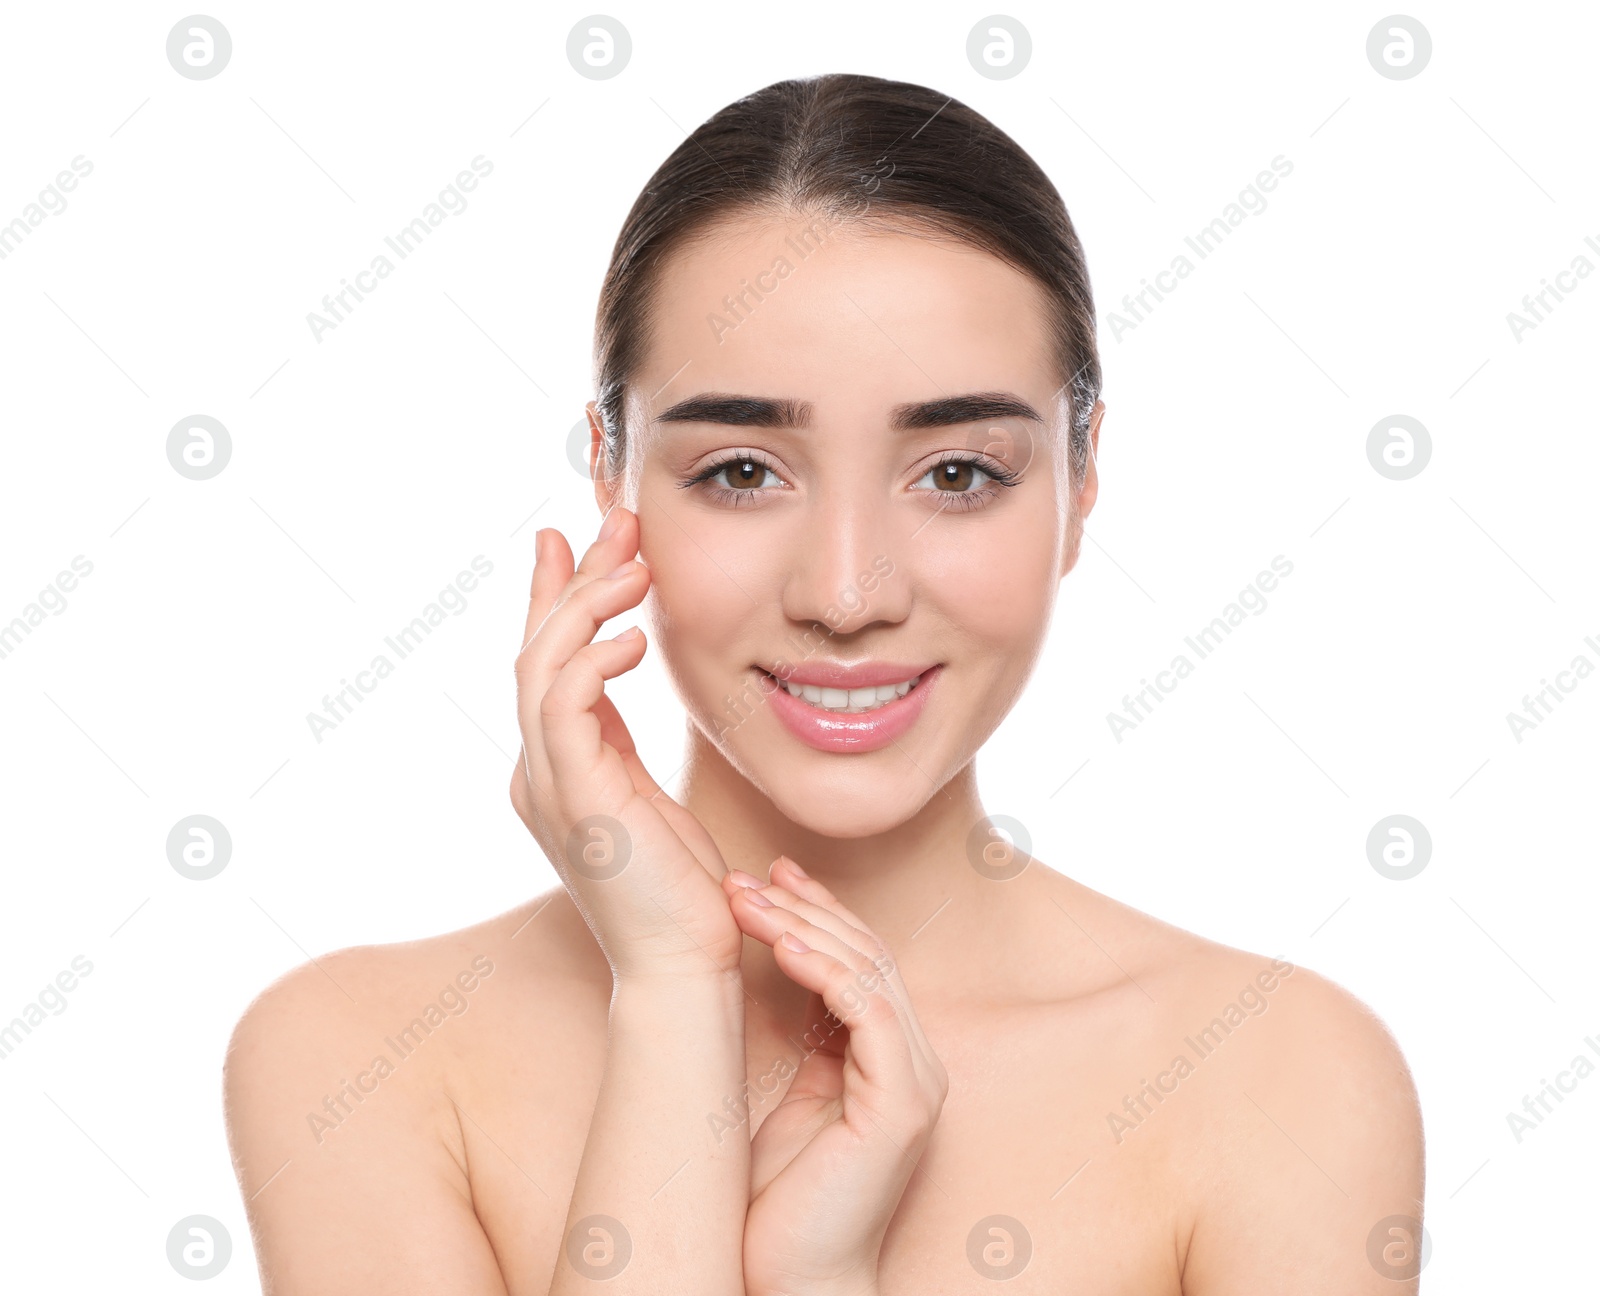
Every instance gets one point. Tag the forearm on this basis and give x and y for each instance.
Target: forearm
(663, 1163)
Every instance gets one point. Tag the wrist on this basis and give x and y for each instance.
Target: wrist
(719, 994)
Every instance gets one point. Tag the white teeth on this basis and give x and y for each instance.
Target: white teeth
(851, 701)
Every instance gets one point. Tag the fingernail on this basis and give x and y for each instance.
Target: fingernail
(620, 572)
(632, 632)
(759, 900)
(798, 871)
(609, 526)
(791, 942)
(740, 878)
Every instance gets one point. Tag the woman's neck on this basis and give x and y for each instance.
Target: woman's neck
(915, 886)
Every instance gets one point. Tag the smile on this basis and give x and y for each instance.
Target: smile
(850, 709)
(854, 701)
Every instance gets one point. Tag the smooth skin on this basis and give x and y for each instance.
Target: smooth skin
(799, 1043)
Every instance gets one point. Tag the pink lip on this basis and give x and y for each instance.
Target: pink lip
(826, 674)
(831, 731)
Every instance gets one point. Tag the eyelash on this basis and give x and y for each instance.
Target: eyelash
(1000, 478)
(727, 494)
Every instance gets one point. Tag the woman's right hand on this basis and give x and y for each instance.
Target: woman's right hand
(831, 1161)
(642, 870)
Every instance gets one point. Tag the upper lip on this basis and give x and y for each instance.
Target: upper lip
(847, 675)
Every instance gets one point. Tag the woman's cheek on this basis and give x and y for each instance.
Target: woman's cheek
(694, 616)
(994, 584)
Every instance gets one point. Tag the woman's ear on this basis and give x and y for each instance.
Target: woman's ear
(605, 493)
(1088, 491)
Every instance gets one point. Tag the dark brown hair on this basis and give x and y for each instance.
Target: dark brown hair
(856, 147)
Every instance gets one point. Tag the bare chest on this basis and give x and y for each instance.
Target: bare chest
(1025, 1180)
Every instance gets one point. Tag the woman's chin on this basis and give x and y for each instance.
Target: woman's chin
(840, 794)
(849, 806)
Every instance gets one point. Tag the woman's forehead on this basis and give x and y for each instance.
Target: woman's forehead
(785, 306)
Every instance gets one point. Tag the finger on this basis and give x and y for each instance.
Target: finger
(765, 917)
(689, 830)
(552, 569)
(565, 631)
(573, 734)
(615, 542)
(780, 910)
(579, 612)
(614, 732)
(767, 920)
(862, 943)
(878, 1044)
(555, 576)
(821, 906)
(832, 916)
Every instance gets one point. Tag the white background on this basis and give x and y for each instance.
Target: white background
(371, 466)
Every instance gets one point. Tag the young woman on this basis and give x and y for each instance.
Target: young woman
(816, 1027)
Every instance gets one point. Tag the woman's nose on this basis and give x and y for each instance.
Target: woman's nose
(849, 571)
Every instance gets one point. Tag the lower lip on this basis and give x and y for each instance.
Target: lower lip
(865, 731)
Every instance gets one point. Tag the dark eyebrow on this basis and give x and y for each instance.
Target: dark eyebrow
(972, 408)
(781, 412)
(738, 411)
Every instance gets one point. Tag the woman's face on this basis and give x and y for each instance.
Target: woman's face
(848, 453)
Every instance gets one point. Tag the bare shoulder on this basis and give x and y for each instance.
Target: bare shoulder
(1285, 1100)
(1282, 1016)
(343, 1084)
(402, 1018)
(1314, 1144)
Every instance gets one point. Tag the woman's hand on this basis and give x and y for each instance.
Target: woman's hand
(829, 1165)
(641, 869)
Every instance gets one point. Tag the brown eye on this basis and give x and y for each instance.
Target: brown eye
(745, 474)
(735, 480)
(966, 483)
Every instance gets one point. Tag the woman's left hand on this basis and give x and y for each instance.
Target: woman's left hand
(829, 1165)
